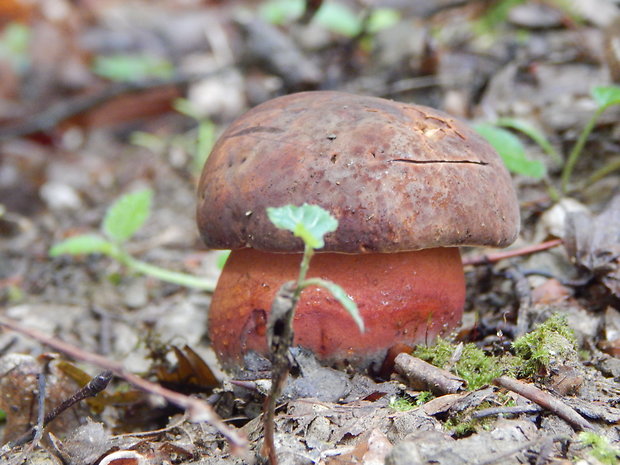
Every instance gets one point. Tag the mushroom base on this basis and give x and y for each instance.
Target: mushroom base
(407, 297)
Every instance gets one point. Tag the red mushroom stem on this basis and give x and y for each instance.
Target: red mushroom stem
(406, 297)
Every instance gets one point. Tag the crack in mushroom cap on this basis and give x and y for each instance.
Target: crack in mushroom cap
(398, 177)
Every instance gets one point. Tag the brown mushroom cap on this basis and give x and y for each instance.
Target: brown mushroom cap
(398, 177)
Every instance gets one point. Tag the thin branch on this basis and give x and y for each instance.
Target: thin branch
(197, 409)
(48, 119)
(545, 400)
(496, 257)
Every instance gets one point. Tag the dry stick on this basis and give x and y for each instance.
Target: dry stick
(423, 376)
(49, 118)
(514, 410)
(496, 257)
(545, 400)
(197, 409)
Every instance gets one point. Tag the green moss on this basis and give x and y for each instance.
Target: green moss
(600, 448)
(462, 424)
(406, 403)
(473, 364)
(460, 428)
(402, 404)
(553, 340)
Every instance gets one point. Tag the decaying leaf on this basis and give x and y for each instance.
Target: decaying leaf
(191, 374)
(372, 449)
(593, 243)
(103, 399)
(19, 399)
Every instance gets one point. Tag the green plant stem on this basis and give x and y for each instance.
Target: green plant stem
(603, 171)
(554, 195)
(567, 172)
(174, 277)
(303, 269)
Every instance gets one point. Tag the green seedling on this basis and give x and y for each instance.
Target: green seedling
(600, 448)
(533, 133)
(122, 220)
(131, 68)
(513, 154)
(511, 150)
(605, 97)
(551, 341)
(310, 223)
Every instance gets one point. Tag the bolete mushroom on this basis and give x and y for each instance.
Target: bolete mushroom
(408, 185)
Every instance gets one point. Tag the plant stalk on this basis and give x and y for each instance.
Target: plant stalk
(174, 277)
(567, 172)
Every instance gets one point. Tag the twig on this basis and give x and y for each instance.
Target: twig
(423, 376)
(545, 400)
(197, 409)
(94, 387)
(514, 410)
(496, 257)
(37, 431)
(48, 119)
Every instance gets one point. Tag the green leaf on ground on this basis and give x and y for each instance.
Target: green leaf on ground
(129, 68)
(308, 222)
(605, 96)
(532, 132)
(125, 216)
(83, 245)
(382, 18)
(281, 11)
(338, 18)
(511, 150)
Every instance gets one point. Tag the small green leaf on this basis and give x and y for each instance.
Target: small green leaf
(132, 67)
(606, 96)
(204, 143)
(281, 11)
(532, 132)
(341, 296)
(511, 150)
(338, 18)
(152, 142)
(127, 215)
(83, 245)
(382, 18)
(308, 222)
(187, 108)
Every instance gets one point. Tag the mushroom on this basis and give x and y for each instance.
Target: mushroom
(408, 185)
